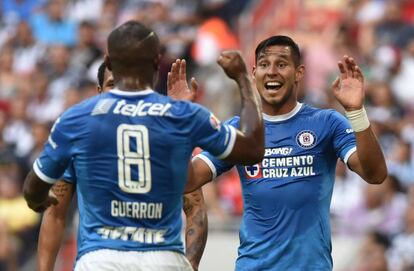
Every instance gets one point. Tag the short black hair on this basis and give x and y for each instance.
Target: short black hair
(101, 74)
(132, 39)
(279, 40)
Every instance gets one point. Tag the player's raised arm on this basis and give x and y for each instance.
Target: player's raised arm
(368, 161)
(53, 226)
(196, 227)
(249, 145)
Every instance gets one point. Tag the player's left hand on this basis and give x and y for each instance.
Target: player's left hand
(49, 201)
(348, 88)
(177, 86)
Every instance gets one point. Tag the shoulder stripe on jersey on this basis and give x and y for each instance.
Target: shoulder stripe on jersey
(131, 93)
(41, 175)
(103, 106)
(348, 154)
(209, 164)
(230, 146)
(284, 116)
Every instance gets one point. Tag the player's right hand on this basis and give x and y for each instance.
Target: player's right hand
(232, 64)
(49, 201)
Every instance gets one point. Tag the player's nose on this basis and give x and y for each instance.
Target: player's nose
(272, 70)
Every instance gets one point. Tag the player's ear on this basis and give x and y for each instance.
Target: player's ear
(299, 73)
(99, 89)
(254, 74)
(107, 61)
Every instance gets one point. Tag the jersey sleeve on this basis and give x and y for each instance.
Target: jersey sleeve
(70, 175)
(216, 165)
(212, 135)
(57, 151)
(343, 136)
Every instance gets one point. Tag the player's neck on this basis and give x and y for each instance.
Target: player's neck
(276, 110)
(132, 84)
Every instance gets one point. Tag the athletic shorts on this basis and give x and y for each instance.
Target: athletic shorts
(116, 260)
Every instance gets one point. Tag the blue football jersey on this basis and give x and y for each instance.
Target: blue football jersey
(128, 154)
(287, 196)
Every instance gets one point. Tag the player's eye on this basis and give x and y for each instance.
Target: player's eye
(263, 64)
(281, 65)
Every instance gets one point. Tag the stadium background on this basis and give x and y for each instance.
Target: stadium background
(50, 51)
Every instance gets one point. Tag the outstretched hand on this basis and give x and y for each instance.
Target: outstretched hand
(232, 64)
(177, 86)
(348, 88)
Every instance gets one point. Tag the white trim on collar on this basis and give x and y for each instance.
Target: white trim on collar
(131, 93)
(283, 117)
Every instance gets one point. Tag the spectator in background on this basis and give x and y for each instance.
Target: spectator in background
(16, 10)
(17, 221)
(213, 36)
(51, 27)
(393, 30)
(403, 80)
(401, 256)
(17, 131)
(42, 106)
(84, 10)
(61, 75)
(372, 256)
(27, 51)
(86, 50)
(8, 79)
(381, 208)
(400, 163)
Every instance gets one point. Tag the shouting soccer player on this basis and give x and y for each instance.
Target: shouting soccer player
(130, 149)
(287, 195)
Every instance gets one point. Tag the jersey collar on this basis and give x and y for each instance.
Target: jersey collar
(283, 117)
(131, 93)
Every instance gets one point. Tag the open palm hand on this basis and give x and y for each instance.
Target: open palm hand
(177, 86)
(348, 88)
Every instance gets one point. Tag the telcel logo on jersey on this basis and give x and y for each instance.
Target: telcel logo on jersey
(141, 109)
(306, 139)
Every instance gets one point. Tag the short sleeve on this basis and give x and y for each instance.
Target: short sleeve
(70, 175)
(216, 165)
(212, 135)
(343, 136)
(57, 151)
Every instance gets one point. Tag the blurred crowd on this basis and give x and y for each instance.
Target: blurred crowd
(50, 51)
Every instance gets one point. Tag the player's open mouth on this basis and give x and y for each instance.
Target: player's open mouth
(273, 85)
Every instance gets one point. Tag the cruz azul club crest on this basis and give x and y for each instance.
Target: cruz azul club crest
(306, 139)
(253, 172)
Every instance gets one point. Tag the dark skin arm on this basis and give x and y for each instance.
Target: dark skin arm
(36, 193)
(249, 145)
(196, 227)
(53, 226)
(368, 161)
